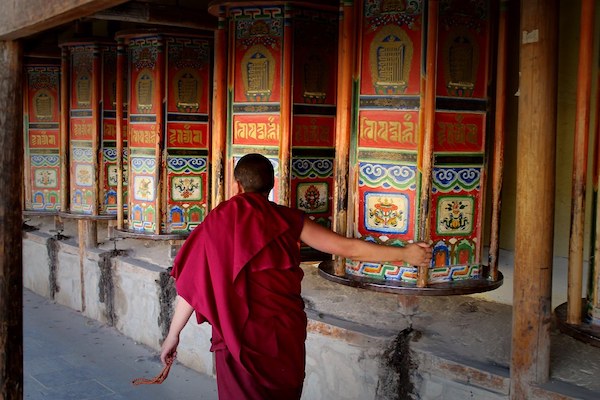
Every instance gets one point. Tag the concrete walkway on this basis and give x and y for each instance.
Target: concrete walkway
(68, 356)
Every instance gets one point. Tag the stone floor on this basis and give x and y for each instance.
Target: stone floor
(70, 357)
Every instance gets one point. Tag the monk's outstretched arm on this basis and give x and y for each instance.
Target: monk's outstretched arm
(325, 240)
(183, 312)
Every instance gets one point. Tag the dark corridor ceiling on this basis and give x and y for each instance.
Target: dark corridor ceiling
(187, 14)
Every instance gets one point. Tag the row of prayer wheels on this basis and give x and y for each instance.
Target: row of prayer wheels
(137, 110)
(366, 126)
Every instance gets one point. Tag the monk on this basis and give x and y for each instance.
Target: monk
(240, 271)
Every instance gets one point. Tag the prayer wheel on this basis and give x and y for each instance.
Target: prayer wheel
(92, 129)
(282, 96)
(418, 150)
(41, 128)
(169, 86)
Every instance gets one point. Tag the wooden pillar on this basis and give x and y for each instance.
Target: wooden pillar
(426, 142)
(580, 154)
(160, 149)
(219, 112)
(593, 289)
(119, 131)
(343, 118)
(534, 238)
(97, 124)
(285, 145)
(11, 261)
(499, 128)
(65, 96)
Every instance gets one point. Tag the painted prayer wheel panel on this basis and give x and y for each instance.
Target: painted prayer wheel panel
(255, 93)
(92, 147)
(314, 109)
(389, 142)
(261, 98)
(109, 171)
(168, 139)
(42, 137)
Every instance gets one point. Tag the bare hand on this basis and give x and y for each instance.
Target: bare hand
(418, 254)
(169, 348)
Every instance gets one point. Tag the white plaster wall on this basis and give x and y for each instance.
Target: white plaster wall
(36, 264)
(68, 276)
(194, 347)
(94, 308)
(136, 301)
(337, 369)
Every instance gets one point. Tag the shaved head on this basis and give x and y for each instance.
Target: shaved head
(255, 173)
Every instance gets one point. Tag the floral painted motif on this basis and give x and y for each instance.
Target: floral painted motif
(186, 188)
(312, 199)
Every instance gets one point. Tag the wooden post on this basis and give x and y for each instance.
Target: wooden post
(160, 154)
(229, 161)
(11, 258)
(65, 95)
(285, 142)
(580, 155)
(119, 116)
(534, 236)
(343, 126)
(219, 112)
(426, 144)
(96, 118)
(499, 128)
(593, 290)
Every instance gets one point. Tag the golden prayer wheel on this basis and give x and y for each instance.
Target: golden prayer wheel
(91, 117)
(169, 87)
(281, 91)
(41, 129)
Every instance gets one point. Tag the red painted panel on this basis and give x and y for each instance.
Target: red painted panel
(313, 131)
(258, 54)
(410, 212)
(463, 49)
(454, 221)
(256, 129)
(42, 86)
(379, 75)
(188, 75)
(315, 57)
(43, 139)
(143, 135)
(82, 129)
(144, 82)
(388, 129)
(459, 132)
(182, 135)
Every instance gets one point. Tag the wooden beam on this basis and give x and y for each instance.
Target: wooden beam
(157, 14)
(426, 132)
(11, 258)
(121, 72)
(499, 133)
(219, 112)
(580, 158)
(285, 142)
(343, 122)
(23, 18)
(65, 147)
(534, 236)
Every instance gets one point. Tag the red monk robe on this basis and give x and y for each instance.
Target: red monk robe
(240, 271)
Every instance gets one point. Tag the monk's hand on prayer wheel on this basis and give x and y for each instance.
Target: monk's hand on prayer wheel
(418, 254)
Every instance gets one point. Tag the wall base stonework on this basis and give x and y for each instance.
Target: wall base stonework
(360, 344)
